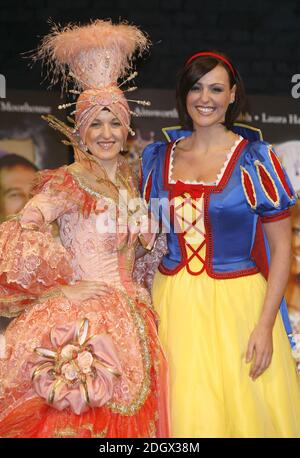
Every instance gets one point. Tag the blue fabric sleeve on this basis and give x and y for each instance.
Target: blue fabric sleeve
(267, 187)
(149, 162)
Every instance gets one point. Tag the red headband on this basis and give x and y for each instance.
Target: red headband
(212, 54)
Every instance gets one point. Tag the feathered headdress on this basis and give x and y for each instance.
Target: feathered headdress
(95, 57)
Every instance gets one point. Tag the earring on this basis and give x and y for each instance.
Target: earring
(83, 146)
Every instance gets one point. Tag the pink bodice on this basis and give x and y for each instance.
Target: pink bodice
(93, 241)
(94, 250)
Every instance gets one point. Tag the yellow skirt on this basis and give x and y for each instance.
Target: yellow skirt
(204, 327)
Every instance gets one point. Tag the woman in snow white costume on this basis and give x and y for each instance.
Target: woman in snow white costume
(223, 198)
(82, 356)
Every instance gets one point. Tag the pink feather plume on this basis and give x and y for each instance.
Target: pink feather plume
(96, 55)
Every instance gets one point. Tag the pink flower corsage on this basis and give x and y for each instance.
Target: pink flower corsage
(77, 372)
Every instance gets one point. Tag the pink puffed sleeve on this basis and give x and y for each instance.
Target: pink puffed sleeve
(32, 262)
(56, 192)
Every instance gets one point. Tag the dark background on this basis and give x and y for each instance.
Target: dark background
(261, 36)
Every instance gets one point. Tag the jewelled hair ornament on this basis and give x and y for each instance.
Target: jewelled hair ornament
(94, 57)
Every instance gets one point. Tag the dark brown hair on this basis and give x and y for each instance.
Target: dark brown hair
(11, 160)
(192, 72)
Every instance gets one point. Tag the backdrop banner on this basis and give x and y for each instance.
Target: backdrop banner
(24, 132)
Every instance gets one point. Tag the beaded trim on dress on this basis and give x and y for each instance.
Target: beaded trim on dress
(219, 175)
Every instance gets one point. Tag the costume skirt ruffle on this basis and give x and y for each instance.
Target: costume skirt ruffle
(139, 407)
(205, 325)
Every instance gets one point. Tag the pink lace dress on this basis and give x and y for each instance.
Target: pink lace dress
(91, 368)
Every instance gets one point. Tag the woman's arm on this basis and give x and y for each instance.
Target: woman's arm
(43, 209)
(260, 345)
(279, 238)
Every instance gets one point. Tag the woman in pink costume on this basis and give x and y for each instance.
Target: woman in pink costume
(82, 357)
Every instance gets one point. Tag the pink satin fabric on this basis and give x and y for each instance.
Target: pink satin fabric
(85, 372)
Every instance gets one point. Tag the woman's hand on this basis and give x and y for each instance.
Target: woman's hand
(260, 350)
(83, 290)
